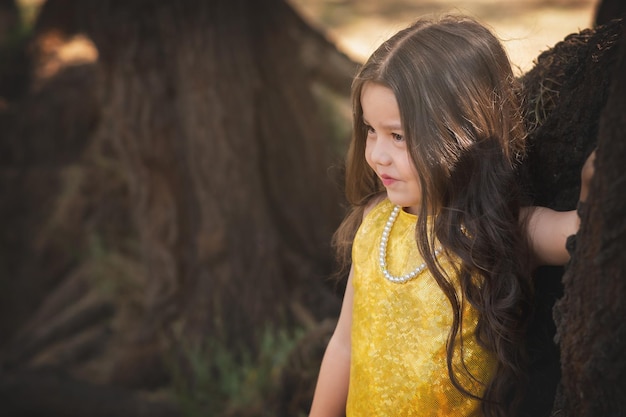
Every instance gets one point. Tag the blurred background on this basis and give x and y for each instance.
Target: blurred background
(526, 27)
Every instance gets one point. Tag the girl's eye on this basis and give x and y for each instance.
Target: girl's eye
(397, 137)
(370, 129)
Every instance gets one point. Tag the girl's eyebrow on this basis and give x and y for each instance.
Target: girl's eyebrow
(389, 126)
(393, 126)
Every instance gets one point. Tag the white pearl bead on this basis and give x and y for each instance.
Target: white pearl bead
(382, 259)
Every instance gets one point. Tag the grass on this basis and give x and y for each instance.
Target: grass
(213, 380)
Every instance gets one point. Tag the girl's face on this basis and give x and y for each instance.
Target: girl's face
(386, 150)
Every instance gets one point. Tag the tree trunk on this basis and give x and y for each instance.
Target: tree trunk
(210, 110)
(188, 197)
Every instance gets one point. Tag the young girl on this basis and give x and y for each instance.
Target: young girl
(434, 314)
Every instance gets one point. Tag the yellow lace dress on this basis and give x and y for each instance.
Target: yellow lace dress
(399, 331)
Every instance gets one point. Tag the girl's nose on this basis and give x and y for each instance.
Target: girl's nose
(380, 152)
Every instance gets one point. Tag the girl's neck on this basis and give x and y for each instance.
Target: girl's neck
(414, 210)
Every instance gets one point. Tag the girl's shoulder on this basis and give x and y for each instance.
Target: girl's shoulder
(376, 203)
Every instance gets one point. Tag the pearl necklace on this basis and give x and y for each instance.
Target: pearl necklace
(382, 255)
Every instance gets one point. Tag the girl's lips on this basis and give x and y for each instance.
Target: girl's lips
(387, 180)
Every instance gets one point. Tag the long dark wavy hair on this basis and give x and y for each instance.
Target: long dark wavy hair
(461, 119)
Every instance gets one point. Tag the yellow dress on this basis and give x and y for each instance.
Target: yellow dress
(399, 331)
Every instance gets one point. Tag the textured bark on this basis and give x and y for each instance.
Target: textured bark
(174, 192)
(45, 123)
(209, 107)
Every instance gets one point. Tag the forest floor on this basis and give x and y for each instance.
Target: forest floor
(526, 27)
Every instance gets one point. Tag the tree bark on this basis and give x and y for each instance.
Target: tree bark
(185, 181)
(209, 107)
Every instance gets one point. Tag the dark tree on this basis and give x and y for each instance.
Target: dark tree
(178, 192)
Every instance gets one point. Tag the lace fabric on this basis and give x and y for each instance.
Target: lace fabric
(399, 333)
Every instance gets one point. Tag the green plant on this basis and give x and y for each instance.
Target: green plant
(212, 379)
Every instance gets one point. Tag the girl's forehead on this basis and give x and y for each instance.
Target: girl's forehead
(376, 93)
(380, 106)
